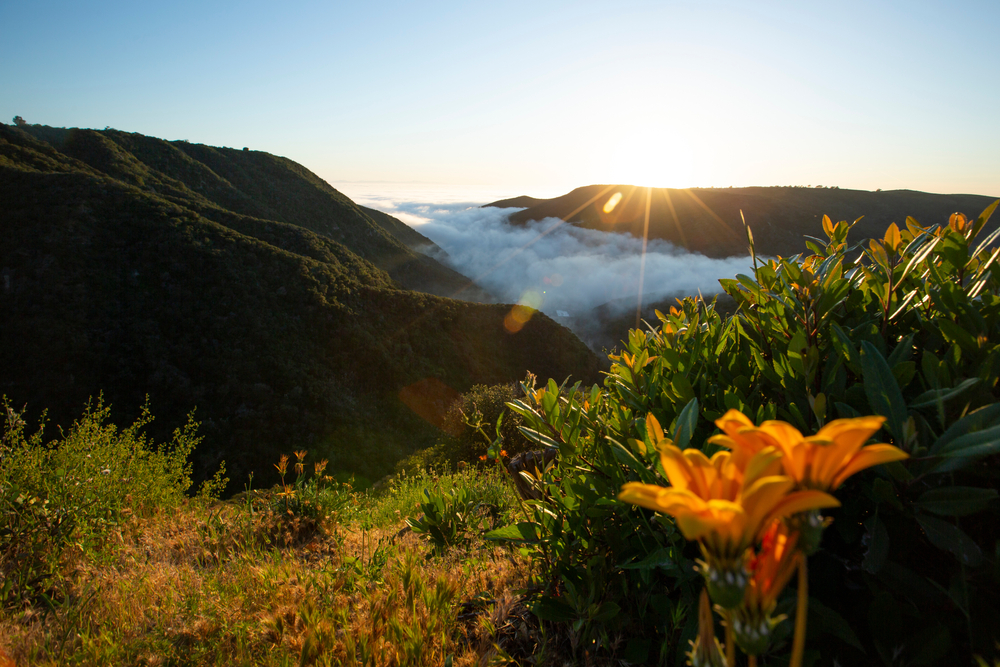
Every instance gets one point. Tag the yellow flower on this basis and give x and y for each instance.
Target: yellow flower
(719, 504)
(724, 503)
(822, 461)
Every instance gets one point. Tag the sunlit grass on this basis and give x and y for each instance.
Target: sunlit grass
(210, 584)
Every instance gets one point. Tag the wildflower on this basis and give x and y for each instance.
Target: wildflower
(282, 464)
(320, 466)
(724, 506)
(822, 461)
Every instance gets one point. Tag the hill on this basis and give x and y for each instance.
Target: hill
(240, 283)
(707, 220)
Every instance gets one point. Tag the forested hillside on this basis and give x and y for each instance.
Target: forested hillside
(240, 284)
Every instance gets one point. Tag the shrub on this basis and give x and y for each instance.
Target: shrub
(906, 326)
(72, 490)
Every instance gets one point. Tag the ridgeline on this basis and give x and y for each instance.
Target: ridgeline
(241, 284)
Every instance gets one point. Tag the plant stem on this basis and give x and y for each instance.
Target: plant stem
(730, 642)
(801, 613)
(751, 661)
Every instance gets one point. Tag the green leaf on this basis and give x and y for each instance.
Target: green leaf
(978, 420)
(606, 612)
(552, 609)
(523, 531)
(961, 451)
(956, 500)
(956, 334)
(949, 537)
(659, 558)
(686, 422)
(933, 396)
(884, 395)
(929, 646)
(824, 619)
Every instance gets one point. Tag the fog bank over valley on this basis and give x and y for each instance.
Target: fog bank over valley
(560, 269)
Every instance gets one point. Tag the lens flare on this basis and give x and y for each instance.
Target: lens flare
(612, 202)
(521, 314)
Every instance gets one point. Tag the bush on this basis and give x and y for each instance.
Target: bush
(907, 326)
(74, 489)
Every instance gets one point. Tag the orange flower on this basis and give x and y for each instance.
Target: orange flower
(724, 503)
(822, 461)
(719, 503)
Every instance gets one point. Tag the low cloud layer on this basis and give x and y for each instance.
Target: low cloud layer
(557, 267)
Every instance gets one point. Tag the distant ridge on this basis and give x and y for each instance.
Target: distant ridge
(239, 283)
(524, 201)
(708, 221)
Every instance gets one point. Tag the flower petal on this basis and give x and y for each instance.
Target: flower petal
(869, 456)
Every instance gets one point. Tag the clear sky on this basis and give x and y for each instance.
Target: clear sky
(536, 97)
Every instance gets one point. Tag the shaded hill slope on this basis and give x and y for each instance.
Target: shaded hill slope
(256, 185)
(707, 220)
(282, 337)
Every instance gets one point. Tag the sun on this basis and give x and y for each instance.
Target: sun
(651, 157)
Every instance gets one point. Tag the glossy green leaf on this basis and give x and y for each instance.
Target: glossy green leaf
(884, 395)
(934, 396)
(949, 537)
(687, 420)
(956, 500)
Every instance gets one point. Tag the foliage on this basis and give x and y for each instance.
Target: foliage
(907, 326)
(67, 493)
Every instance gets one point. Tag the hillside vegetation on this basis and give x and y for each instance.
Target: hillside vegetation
(240, 284)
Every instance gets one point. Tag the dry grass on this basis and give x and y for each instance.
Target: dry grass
(203, 586)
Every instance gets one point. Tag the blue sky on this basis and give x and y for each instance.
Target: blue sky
(535, 97)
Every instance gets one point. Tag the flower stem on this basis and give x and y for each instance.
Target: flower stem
(730, 642)
(751, 661)
(801, 613)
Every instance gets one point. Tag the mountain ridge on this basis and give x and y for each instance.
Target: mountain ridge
(281, 336)
(710, 220)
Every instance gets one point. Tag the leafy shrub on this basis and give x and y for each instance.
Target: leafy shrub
(72, 490)
(907, 326)
(459, 507)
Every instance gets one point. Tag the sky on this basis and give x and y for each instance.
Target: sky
(537, 97)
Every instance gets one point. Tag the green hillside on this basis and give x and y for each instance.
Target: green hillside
(707, 220)
(238, 283)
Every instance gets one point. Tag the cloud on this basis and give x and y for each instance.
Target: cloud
(555, 266)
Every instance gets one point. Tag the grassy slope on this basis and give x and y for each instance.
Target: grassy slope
(707, 220)
(281, 336)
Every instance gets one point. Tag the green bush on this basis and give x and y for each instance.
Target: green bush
(907, 326)
(72, 490)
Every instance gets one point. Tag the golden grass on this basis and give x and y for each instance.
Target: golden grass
(201, 586)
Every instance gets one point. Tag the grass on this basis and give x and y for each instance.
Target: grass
(239, 583)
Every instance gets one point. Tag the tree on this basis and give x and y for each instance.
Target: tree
(20, 122)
